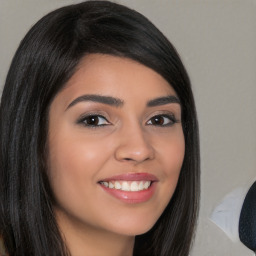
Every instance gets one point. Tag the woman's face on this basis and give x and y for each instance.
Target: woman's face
(116, 146)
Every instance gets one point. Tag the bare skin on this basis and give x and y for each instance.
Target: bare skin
(114, 118)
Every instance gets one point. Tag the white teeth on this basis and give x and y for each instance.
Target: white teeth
(127, 185)
(105, 183)
(117, 185)
(141, 185)
(134, 186)
(111, 185)
(147, 184)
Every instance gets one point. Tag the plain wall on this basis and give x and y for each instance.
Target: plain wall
(216, 40)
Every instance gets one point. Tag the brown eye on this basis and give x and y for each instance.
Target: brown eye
(162, 120)
(94, 120)
(158, 120)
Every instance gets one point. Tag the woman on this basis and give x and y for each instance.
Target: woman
(99, 139)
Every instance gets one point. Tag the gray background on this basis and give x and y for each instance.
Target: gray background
(216, 40)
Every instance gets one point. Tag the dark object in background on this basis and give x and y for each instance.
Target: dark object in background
(247, 221)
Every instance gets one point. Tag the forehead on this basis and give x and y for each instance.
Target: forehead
(116, 76)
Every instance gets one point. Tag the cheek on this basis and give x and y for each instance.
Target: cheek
(171, 155)
(174, 156)
(171, 152)
(73, 164)
(75, 161)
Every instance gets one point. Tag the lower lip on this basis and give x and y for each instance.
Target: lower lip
(132, 197)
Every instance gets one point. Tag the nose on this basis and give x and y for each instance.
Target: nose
(134, 146)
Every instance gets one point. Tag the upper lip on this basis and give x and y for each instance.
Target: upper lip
(132, 177)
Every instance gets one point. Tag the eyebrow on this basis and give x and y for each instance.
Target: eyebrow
(98, 98)
(163, 101)
(108, 100)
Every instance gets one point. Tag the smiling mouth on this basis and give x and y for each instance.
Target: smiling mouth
(131, 188)
(127, 185)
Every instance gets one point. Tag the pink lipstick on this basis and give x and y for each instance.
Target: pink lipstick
(130, 187)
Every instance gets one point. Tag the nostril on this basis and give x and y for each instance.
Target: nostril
(127, 159)
(131, 159)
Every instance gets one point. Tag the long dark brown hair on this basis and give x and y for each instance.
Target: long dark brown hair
(45, 60)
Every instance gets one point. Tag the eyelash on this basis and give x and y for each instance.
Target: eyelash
(85, 119)
(100, 118)
(171, 117)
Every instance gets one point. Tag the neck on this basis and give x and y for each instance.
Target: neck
(88, 240)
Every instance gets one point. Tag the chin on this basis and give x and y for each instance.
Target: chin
(133, 228)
